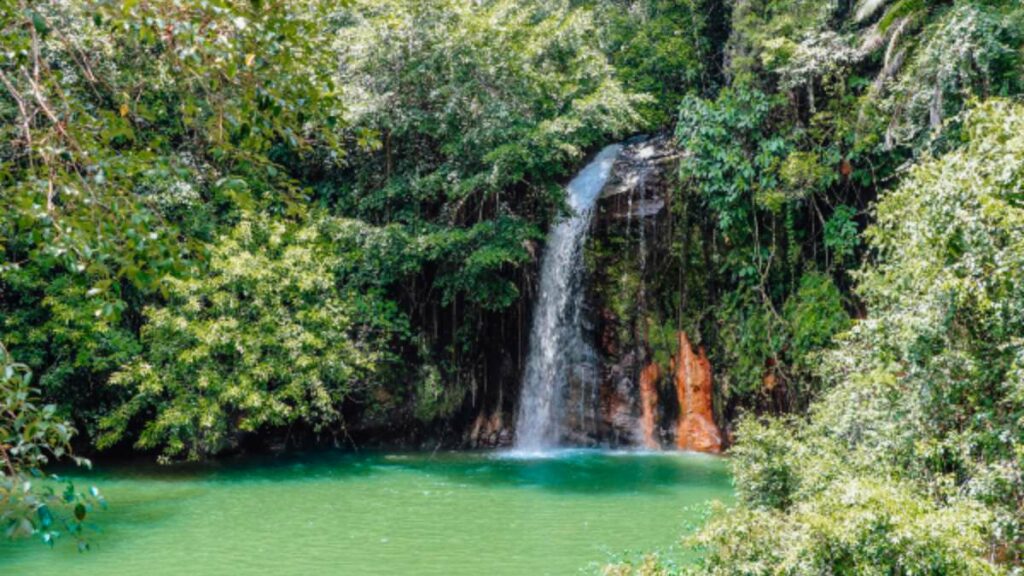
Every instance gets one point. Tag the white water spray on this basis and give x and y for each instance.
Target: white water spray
(556, 337)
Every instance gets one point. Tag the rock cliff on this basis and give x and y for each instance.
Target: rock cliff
(655, 390)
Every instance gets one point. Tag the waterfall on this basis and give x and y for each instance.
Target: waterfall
(556, 336)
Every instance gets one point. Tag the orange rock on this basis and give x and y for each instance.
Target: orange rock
(478, 426)
(649, 403)
(845, 168)
(496, 423)
(696, 429)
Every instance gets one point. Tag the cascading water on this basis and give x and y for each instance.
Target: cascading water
(556, 337)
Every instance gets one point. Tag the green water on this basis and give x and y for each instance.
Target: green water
(446, 513)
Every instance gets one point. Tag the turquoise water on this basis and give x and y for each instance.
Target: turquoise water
(444, 513)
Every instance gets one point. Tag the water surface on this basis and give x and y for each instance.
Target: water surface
(431, 514)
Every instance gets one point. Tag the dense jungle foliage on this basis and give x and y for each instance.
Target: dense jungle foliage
(250, 222)
(853, 261)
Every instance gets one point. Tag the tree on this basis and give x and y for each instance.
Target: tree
(31, 435)
(921, 427)
(271, 336)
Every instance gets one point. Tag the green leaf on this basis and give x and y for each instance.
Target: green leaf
(40, 24)
(45, 517)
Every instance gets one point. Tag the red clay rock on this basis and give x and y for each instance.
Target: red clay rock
(649, 404)
(696, 429)
(489, 432)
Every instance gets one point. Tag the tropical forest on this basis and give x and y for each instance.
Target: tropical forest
(512, 287)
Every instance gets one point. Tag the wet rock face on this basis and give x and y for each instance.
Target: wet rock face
(619, 425)
(625, 240)
(489, 432)
(648, 399)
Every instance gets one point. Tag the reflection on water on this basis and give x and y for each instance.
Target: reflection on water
(335, 513)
